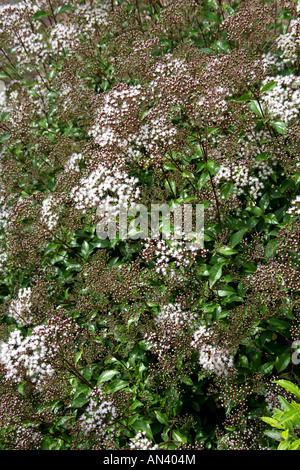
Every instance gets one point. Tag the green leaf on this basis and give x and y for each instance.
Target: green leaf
(289, 415)
(179, 436)
(221, 46)
(171, 186)
(20, 387)
(282, 361)
(40, 14)
(80, 401)
(295, 445)
(286, 406)
(215, 274)
(117, 385)
(187, 174)
(170, 166)
(249, 267)
(263, 156)
(153, 304)
(279, 126)
(226, 250)
(284, 445)
(46, 442)
(268, 86)
(267, 368)
(226, 290)
(64, 8)
(237, 237)
(271, 248)
(161, 417)
(77, 357)
(276, 435)
(278, 325)
(85, 249)
(107, 375)
(272, 421)
(264, 202)
(187, 381)
(4, 137)
(142, 425)
(271, 219)
(51, 247)
(243, 361)
(257, 108)
(289, 386)
(246, 97)
(212, 17)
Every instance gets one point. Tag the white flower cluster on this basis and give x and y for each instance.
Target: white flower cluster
(173, 315)
(3, 259)
(242, 179)
(270, 61)
(141, 442)
(289, 43)
(173, 251)
(251, 144)
(35, 356)
(108, 189)
(283, 100)
(28, 434)
(27, 355)
(201, 334)
(48, 215)
(171, 323)
(294, 210)
(214, 359)
(31, 49)
(216, 96)
(2, 94)
(120, 111)
(116, 108)
(91, 16)
(99, 414)
(72, 164)
(15, 106)
(64, 37)
(33, 46)
(159, 133)
(4, 209)
(20, 308)
(28, 46)
(171, 66)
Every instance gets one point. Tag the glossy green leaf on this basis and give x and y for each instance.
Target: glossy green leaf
(107, 375)
(161, 417)
(215, 273)
(289, 386)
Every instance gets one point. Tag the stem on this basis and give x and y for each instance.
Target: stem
(71, 368)
(211, 180)
(139, 15)
(52, 11)
(166, 176)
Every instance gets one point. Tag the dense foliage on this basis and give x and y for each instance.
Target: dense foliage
(142, 342)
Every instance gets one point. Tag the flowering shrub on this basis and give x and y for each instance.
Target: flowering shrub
(144, 342)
